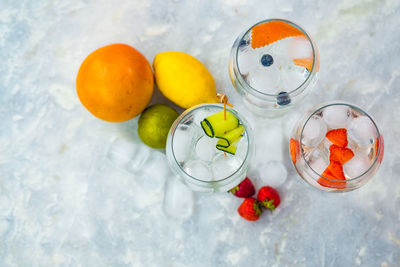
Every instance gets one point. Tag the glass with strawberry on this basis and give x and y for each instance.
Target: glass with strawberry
(336, 147)
(273, 64)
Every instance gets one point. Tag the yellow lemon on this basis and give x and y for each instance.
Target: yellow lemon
(183, 79)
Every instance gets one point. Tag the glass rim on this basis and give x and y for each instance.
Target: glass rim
(342, 103)
(200, 106)
(304, 83)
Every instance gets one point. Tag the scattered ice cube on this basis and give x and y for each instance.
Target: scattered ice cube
(314, 131)
(337, 116)
(223, 167)
(206, 148)
(265, 80)
(269, 145)
(131, 157)
(356, 166)
(362, 131)
(272, 173)
(198, 169)
(300, 48)
(178, 199)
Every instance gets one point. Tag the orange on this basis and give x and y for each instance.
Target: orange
(115, 83)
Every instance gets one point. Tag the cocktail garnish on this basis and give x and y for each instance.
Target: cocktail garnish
(272, 31)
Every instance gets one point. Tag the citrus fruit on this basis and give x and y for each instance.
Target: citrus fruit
(154, 125)
(115, 82)
(183, 79)
(271, 31)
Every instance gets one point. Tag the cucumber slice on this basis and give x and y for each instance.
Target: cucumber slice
(206, 128)
(216, 125)
(230, 137)
(230, 149)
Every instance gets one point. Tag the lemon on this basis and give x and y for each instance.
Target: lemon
(183, 79)
(154, 124)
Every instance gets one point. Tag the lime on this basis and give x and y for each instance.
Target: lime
(154, 125)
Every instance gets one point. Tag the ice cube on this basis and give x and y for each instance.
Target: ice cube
(292, 76)
(314, 131)
(265, 80)
(223, 166)
(178, 199)
(356, 166)
(272, 173)
(198, 169)
(337, 116)
(319, 164)
(206, 148)
(300, 48)
(362, 130)
(247, 62)
(183, 142)
(200, 115)
(241, 148)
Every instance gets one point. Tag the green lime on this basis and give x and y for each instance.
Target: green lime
(154, 125)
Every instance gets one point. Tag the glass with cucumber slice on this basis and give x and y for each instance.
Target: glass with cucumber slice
(210, 147)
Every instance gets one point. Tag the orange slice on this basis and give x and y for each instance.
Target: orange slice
(272, 31)
(304, 62)
(294, 149)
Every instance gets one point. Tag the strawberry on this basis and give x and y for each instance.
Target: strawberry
(244, 189)
(340, 154)
(250, 209)
(338, 137)
(294, 147)
(334, 172)
(268, 197)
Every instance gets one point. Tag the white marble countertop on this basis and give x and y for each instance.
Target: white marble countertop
(64, 201)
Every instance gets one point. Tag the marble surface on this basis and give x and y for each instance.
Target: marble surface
(65, 200)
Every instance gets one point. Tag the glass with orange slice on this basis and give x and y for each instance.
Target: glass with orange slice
(273, 65)
(336, 147)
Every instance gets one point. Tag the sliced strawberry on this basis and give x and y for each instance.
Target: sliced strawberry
(340, 154)
(244, 189)
(269, 197)
(334, 172)
(250, 209)
(338, 137)
(294, 147)
(381, 152)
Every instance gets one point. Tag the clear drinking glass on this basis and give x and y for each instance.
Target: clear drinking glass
(336, 147)
(193, 156)
(273, 65)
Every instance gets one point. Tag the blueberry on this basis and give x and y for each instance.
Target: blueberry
(283, 99)
(267, 60)
(243, 42)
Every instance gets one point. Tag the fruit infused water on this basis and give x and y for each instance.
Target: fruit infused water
(272, 63)
(338, 147)
(208, 148)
